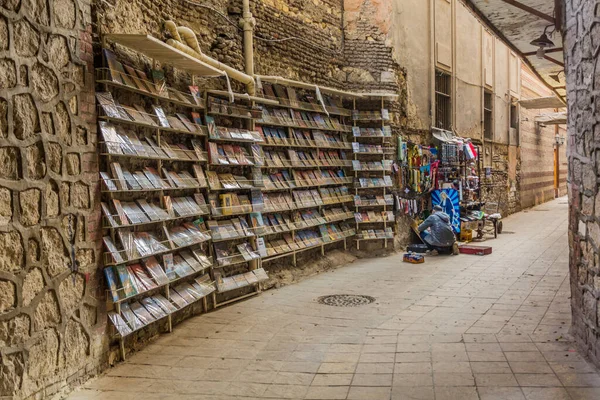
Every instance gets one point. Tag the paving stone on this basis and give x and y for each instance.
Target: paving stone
(500, 393)
(495, 380)
(537, 380)
(369, 393)
(327, 393)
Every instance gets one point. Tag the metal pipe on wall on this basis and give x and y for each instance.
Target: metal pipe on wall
(247, 23)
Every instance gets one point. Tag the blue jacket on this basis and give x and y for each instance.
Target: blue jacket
(441, 231)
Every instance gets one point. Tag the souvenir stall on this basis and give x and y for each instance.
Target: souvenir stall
(457, 185)
(416, 169)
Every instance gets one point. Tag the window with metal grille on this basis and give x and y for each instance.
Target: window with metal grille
(443, 105)
(514, 115)
(488, 107)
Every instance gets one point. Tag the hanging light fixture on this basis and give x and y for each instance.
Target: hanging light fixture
(542, 42)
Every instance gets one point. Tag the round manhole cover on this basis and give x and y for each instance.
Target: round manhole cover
(346, 300)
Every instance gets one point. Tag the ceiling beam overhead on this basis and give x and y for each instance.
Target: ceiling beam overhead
(530, 10)
(533, 53)
(554, 61)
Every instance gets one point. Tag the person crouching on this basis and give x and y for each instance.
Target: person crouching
(437, 233)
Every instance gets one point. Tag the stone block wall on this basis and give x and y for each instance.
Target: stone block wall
(582, 56)
(48, 191)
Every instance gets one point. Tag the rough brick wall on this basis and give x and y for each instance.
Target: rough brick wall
(582, 54)
(48, 213)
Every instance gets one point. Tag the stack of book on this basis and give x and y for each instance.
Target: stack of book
(371, 200)
(230, 204)
(307, 198)
(136, 79)
(367, 148)
(278, 202)
(386, 131)
(386, 233)
(226, 154)
(230, 253)
(303, 158)
(149, 179)
(293, 118)
(384, 165)
(337, 213)
(137, 314)
(220, 106)
(371, 115)
(335, 195)
(234, 228)
(333, 232)
(225, 284)
(373, 216)
(137, 114)
(386, 181)
(121, 141)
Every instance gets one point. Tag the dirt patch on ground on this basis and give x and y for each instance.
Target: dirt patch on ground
(282, 274)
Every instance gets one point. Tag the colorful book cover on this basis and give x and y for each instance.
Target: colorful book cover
(124, 278)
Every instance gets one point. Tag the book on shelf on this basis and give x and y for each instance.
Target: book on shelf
(119, 323)
(117, 173)
(108, 215)
(175, 123)
(127, 283)
(130, 317)
(146, 244)
(155, 270)
(247, 252)
(169, 265)
(111, 282)
(108, 105)
(182, 268)
(153, 308)
(160, 83)
(178, 300)
(196, 95)
(140, 311)
(213, 133)
(162, 118)
(189, 258)
(179, 96)
(142, 281)
(165, 304)
(199, 173)
(126, 239)
(112, 249)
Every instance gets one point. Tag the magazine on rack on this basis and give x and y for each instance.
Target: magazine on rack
(125, 279)
(119, 323)
(112, 249)
(108, 105)
(153, 308)
(111, 282)
(178, 300)
(144, 316)
(142, 276)
(169, 265)
(156, 270)
(165, 304)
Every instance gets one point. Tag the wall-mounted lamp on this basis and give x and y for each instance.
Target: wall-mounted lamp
(559, 140)
(542, 42)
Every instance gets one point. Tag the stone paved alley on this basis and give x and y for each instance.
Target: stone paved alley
(466, 327)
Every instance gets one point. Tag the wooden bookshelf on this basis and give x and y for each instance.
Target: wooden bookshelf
(372, 147)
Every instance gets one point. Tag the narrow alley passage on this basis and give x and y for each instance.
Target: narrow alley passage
(465, 327)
